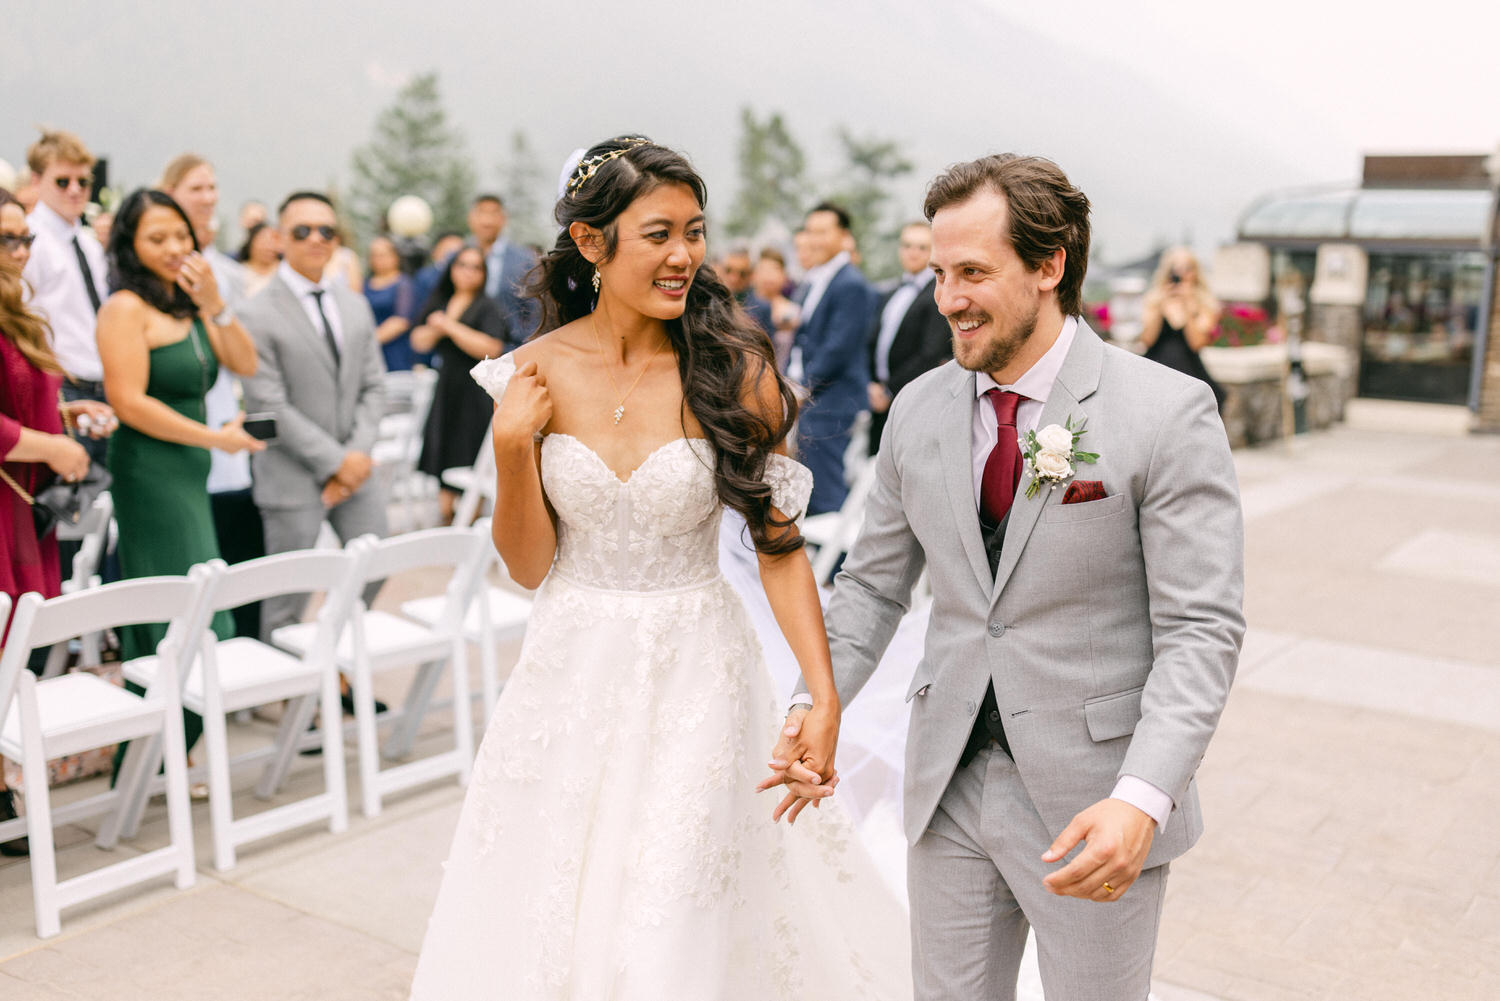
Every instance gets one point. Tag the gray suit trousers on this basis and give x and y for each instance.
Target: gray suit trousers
(291, 528)
(975, 882)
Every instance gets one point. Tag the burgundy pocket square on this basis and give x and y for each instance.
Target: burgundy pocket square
(1082, 491)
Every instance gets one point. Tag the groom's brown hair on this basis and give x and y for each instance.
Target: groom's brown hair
(1045, 212)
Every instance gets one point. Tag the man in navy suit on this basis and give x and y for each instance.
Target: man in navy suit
(507, 265)
(909, 336)
(837, 313)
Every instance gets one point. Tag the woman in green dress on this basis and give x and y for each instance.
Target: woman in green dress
(162, 335)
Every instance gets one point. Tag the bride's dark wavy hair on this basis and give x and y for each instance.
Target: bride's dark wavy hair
(722, 354)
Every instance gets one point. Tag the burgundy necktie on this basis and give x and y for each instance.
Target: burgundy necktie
(1002, 470)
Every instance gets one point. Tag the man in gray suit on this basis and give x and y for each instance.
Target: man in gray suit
(321, 374)
(1083, 635)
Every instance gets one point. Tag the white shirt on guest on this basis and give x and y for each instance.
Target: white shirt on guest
(818, 279)
(1036, 385)
(58, 291)
(226, 472)
(890, 318)
(303, 290)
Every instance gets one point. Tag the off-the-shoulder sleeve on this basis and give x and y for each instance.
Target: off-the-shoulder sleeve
(493, 374)
(791, 485)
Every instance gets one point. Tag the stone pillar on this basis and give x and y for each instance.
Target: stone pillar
(1338, 296)
(1488, 417)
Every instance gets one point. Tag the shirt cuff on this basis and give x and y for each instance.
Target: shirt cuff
(1145, 797)
(800, 699)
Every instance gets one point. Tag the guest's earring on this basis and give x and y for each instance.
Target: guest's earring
(596, 281)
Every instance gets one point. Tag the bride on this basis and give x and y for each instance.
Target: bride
(611, 845)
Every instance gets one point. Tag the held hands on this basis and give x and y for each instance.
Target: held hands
(524, 409)
(803, 760)
(1118, 839)
(197, 279)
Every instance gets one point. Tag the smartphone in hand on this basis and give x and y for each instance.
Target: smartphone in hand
(261, 426)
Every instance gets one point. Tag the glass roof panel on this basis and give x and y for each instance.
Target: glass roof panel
(1420, 215)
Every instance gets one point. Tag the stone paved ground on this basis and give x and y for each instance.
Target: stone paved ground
(1353, 792)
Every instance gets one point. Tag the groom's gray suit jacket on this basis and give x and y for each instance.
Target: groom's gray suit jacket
(1111, 628)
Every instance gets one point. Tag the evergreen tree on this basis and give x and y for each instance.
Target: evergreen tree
(527, 194)
(414, 151)
(871, 164)
(772, 182)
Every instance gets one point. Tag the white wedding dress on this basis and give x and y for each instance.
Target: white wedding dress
(612, 846)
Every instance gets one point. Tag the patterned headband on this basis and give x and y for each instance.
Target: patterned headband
(586, 168)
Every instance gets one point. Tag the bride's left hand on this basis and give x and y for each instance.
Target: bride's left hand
(803, 761)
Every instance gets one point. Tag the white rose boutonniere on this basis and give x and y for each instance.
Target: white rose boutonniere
(1049, 454)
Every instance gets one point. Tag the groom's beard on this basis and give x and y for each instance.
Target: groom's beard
(1000, 350)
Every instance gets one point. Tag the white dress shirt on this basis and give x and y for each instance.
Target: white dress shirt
(890, 318)
(1036, 385)
(58, 292)
(303, 290)
(818, 279)
(494, 265)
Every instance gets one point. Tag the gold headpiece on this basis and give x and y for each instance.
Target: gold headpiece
(586, 168)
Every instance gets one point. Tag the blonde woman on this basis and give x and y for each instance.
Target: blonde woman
(1179, 316)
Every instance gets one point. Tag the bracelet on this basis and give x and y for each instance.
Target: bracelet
(223, 317)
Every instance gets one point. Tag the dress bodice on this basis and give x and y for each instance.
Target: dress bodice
(657, 530)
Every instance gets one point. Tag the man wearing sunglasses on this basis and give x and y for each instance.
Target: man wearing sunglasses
(67, 270)
(321, 373)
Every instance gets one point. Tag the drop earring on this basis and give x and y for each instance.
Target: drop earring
(596, 281)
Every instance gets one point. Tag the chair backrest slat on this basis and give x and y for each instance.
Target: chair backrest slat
(282, 573)
(433, 547)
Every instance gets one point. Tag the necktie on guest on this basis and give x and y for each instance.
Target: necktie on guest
(88, 275)
(333, 344)
(1002, 470)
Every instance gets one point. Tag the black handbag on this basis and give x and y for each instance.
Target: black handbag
(61, 501)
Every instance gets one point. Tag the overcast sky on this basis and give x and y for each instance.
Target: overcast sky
(1173, 117)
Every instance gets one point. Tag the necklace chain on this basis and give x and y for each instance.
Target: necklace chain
(609, 370)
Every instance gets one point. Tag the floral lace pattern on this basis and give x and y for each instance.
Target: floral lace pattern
(611, 844)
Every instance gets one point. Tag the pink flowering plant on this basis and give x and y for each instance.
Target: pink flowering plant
(1241, 325)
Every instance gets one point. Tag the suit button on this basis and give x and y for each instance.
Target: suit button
(997, 629)
(972, 707)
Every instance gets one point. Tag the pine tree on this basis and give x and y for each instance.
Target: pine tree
(523, 185)
(772, 182)
(871, 165)
(414, 151)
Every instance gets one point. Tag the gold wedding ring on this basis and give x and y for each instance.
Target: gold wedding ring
(1109, 889)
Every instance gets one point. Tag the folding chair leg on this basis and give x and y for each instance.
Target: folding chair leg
(369, 750)
(46, 906)
(132, 789)
(413, 711)
(220, 793)
(179, 807)
(294, 720)
(333, 754)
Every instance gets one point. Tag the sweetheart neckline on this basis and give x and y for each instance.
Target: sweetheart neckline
(625, 481)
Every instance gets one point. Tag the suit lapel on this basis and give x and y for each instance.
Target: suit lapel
(295, 315)
(956, 453)
(1076, 381)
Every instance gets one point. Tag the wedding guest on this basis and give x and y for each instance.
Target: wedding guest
(769, 282)
(163, 335)
(428, 276)
(463, 326)
(252, 214)
(392, 298)
(67, 270)
(101, 225)
(260, 254)
(911, 335)
(506, 264)
(830, 345)
(735, 269)
(1179, 316)
(191, 181)
(344, 266)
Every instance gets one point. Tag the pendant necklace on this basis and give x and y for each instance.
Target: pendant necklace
(609, 370)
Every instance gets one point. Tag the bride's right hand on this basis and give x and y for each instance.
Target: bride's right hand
(524, 408)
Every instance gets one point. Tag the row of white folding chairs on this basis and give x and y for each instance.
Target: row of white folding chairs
(74, 712)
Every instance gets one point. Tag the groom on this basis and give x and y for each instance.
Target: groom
(1083, 635)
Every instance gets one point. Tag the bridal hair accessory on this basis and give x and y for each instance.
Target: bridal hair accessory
(1049, 454)
(586, 168)
(595, 282)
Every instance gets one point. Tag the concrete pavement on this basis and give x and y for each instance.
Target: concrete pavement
(1351, 796)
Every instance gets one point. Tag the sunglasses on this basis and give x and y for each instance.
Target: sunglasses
(300, 233)
(15, 241)
(64, 182)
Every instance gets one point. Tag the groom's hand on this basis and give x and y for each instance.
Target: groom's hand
(804, 784)
(1118, 839)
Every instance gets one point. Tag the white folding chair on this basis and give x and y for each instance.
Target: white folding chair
(398, 444)
(78, 712)
(241, 673)
(379, 641)
(477, 483)
(834, 533)
(93, 533)
(497, 615)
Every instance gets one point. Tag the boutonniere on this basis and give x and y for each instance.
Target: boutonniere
(1049, 454)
